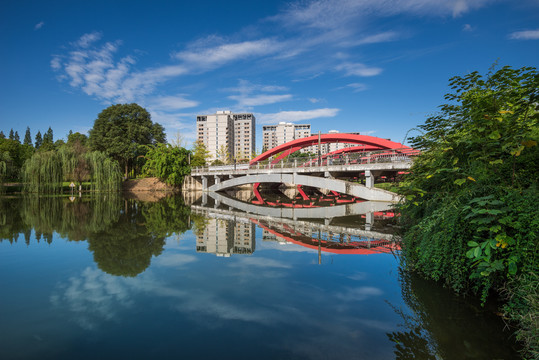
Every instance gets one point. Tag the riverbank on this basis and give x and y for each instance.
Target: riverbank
(470, 220)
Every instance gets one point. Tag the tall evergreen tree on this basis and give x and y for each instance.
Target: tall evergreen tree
(16, 137)
(48, 141)
(2, 135)
(27, 137)
(39, 140)
(48, 136)
(11, 135)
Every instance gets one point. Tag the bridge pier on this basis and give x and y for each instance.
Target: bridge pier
(204, 198)
(369, 179)
(369, 220)
(204, 183)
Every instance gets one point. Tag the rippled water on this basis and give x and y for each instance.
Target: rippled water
(109, 277)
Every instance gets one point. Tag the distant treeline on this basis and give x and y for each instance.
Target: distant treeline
(123, 143)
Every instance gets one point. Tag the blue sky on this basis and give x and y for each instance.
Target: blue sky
(378, 67)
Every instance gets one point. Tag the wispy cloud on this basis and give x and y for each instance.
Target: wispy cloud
(358, 69)
(525, 35)
(386, 36)
(357, 87)
(257, 100)
(39, 25)
(247, 97)
(331, 14)
(467, 28)
(293, 116)
(173, 102)
(210, 57)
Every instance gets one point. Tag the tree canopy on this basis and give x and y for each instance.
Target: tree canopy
(168, 163)
(120, 129)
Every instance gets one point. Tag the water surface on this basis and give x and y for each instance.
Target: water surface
(109, 277)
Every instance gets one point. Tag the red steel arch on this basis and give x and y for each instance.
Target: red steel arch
(369, 143)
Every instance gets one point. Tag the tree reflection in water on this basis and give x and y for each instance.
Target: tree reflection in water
(122, 234)
(434, 325)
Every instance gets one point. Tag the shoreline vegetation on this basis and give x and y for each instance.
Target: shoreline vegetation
(470, 220)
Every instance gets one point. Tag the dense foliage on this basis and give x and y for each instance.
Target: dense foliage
(13, 154)
(471, 217)
(46, 171)
(120, 129)
(168, 163)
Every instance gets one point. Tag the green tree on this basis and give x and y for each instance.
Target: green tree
(39, 140)
(223, 155)
(27, 137)
(11, 135)
(48, 141)
(18, 154)
(168, 163)
(470, 218)
(16, 137)
(2, 135)
(77, 137)
(200, 154)
(120, 129)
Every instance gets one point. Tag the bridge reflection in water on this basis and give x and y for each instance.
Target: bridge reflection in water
(230, 225)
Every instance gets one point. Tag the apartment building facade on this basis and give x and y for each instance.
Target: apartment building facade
(227, 135)
(275, 135)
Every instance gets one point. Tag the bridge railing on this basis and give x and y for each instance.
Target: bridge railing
(370, 157)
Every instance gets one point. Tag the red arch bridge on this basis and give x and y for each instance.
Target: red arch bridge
(352, 170)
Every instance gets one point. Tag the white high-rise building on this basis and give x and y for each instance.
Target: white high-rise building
(275, 135)
(330, 147)
(227, 135)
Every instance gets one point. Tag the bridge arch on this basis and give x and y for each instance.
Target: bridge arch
(368, 143)
(341, 186)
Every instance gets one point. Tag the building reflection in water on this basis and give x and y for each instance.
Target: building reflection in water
(226, 235)
(230, 226)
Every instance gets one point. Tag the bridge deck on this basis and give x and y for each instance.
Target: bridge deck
(245, 169)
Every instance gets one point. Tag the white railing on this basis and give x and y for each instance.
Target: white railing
(370, 157)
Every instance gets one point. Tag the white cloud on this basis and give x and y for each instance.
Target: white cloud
(173, 102)
(94, 69)
(210, 57)
(358, 69)
(357, 87)
(314, 100)
(379, 38)
(259, 99)
(246, 98)
(87, 39)
(293, 116)
(332, 14)
(467, 28)
(525, 35)
(39, 25)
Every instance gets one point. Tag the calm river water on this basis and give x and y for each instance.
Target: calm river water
(108, 277)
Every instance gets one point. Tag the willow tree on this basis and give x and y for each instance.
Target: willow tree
(44, 172)
(105, 173)
(4, 159)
